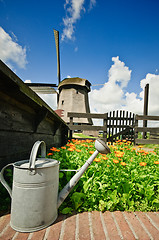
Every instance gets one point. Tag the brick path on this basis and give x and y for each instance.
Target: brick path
(91, 226)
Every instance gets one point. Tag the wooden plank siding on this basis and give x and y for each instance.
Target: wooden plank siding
(24, 119)
(153, 137)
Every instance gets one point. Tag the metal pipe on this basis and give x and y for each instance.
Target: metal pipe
(66, 190)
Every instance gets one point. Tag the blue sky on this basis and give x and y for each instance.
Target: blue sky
(92, 32)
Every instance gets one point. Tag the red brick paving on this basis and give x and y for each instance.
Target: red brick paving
(91, 226)
(84, 232)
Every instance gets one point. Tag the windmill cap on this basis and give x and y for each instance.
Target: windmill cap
(75, 81)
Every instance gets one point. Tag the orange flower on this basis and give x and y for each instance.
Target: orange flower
(117, 152)
(140, 151)
(63, 147)
(70, 149)
(119, 155)
(143, 163)
(107, 165)
(97, 160)
(140, 146)
(91, 152)
(153, 152)
(90, 145)
(104, 158)
(123, 163)
(115, 161)
(143, 154)
(156, 162)
(113, 147)
(53, 149)
(49, 154)
(72, 145)
(78, 150)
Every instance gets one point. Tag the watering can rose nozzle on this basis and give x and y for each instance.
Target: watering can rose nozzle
(101, 146)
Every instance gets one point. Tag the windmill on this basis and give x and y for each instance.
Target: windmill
(73, 92)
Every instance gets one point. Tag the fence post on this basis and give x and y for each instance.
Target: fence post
(146, 94)
(70, 131)
(135, 131)
(105, 126)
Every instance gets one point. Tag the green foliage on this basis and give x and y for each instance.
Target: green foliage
(107, 185)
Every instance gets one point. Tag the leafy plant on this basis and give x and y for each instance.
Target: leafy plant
(125, 180)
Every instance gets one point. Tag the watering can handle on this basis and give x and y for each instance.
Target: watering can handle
(34, 152)
(4, 183)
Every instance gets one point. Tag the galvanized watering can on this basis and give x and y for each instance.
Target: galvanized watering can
(35, 198)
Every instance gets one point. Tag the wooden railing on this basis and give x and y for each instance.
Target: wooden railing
(87, 127)
(153, 137)
(120, 125)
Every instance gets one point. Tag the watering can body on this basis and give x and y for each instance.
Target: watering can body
(34, 193)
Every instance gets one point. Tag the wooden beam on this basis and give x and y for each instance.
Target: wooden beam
(147, 129)
(144, 117)
(86, 115)
(86, 127)
(147, 141)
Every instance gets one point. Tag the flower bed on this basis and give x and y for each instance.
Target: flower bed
(125, 179)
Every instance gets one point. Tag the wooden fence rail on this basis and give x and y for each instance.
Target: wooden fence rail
(153, 131)
(73, 126)
(116, 124)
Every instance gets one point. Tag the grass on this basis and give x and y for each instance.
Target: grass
(81, 135)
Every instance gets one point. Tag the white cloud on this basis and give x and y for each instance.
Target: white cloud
(10, 51)
(119, 73)
(27, 81)
(92, 4)
(50, 99)
(68, 76)
(74, 9)
(113, 95)
(153, 80)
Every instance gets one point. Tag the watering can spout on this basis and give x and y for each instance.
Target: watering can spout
(101, 147)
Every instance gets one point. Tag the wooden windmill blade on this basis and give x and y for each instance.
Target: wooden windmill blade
(56, 36)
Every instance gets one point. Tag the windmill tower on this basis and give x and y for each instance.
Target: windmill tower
(73, 97)
(73, 92)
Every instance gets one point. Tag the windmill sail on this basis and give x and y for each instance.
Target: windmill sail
(56, 36)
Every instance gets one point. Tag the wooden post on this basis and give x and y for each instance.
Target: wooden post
(105, 126)
(135, 131)
(146, 93)
(70, 131)
(56, 36)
